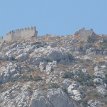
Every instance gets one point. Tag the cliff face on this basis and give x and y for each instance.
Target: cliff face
(54, 72)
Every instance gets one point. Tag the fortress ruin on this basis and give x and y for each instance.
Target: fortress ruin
(21, 34)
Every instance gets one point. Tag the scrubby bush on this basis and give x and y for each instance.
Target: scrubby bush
(104, 45)
(68, 75)
(91, 39)
(37, 78)
(30, 78)
(54, 85)
(83, 78)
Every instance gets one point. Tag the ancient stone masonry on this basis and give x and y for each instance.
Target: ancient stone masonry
(21, 34)
(84, 34)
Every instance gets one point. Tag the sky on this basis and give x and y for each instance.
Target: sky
(58, 17)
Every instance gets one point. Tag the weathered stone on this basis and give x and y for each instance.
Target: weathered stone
(54, 98)
(102, 90)
(98, 81)
(99, 74)
(21, 34)
(22, 57)
(96, 103)
(74, 92)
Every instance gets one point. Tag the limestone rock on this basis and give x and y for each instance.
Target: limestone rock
(74, 92)
(9, 73)
(22, 57)
(94, 103)
(102, 90)
(54, 98)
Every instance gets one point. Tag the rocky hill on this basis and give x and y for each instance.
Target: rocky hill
(54, 71)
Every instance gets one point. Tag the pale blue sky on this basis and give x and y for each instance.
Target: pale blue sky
(53, 16)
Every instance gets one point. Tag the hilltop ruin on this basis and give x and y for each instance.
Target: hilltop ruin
(21, 34)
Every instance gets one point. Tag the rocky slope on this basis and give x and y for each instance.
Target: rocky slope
(60, 71)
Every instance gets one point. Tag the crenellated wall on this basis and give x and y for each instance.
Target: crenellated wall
(21, 34)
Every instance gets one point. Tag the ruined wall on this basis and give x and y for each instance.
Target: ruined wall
(21, 34)
(84, 34)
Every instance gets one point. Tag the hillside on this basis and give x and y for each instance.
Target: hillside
(54, 71)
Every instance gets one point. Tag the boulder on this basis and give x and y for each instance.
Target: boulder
(99, 74)
(102, 90)
(73, 91)
(72, 86)
(94, 103)
(98, 81)
(22, 57)
(53, 98)
(60, 57)
(66, 83)
(42, 66)
(50, 66)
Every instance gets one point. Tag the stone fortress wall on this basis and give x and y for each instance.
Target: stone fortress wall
(83, 34)
(21, 34)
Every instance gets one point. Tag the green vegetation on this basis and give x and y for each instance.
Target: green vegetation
(104, 45)
(68, 75)
(54, 85)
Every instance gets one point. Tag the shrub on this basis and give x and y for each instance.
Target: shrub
(68, 75)
(37, 78)
(84, 79)
(91, 39)
(104, 45)
(53, 85)
(30, 78)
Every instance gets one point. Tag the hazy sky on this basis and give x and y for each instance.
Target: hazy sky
(53, 16)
